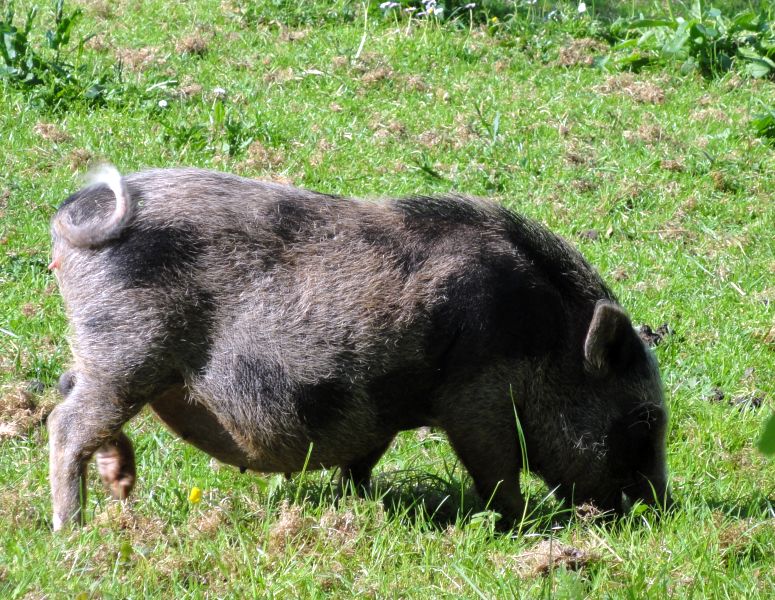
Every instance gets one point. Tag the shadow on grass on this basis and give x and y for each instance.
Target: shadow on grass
(755, 506)
(426, 500)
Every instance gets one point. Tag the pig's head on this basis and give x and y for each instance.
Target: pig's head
(613, 424)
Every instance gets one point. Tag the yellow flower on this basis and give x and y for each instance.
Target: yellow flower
(494, 20)
(195, 495)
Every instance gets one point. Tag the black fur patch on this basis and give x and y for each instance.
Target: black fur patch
(191, 326)
(556, 260)
(292, 219)
(259, 382)
(495, 310)
(317, 404)
(403, 398)
(322, 403)
(437, 215)
(409, 257)
(101, 323)
(153, 257)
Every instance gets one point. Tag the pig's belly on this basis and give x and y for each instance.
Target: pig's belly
(197, 425)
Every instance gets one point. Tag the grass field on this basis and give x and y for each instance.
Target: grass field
(658, 175)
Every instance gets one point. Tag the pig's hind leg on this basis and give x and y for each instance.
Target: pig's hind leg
(88, 421)
(115, 458)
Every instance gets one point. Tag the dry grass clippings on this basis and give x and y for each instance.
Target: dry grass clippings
(193, 45)
(21, 410)
(625, 84)
(581, 52)
(548, 555)
(138, 59)
(262, 158)
(52, 133)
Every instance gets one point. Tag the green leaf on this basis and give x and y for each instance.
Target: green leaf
(676, 43)
(9, 44)
(639, 23)
(766, 443)
(747, 21)
(757, 68)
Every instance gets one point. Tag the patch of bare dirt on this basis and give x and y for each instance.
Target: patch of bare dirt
(52, 133)
(581, 52)
(104, 9)
(97, 43)
(393, 129)
(279, 178)
(79, 159)
(293, 35)
(262, 158)
(584, 186)
(625, 84)
(290, 525)
(724, 182)
(21, 409)
(335, 528)
(710, 114)
(189, 90)
(674, 165)
(464, 132)
(377, 75)
(431, 139)
(620, 274)
(340, 529)
(122, 516)
(415, 83)
(279, 75)
(137, 59)
(211, 519)
(17, 505)
(195, 44)
(748, 401)
(674, 228)
(548, 555)
(588, 512)
(29, 309)
(647, 133)
(769, 337)
(339, 62)
(737, 540)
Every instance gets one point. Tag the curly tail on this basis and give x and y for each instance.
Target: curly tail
(95, 233)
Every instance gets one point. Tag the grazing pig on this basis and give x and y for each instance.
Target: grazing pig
(275, 328)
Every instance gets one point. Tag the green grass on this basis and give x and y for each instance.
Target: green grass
(679, 191)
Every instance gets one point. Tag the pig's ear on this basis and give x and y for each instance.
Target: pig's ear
(611, 343)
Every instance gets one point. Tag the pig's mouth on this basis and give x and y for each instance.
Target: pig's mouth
(620, 500)
(650, 492)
